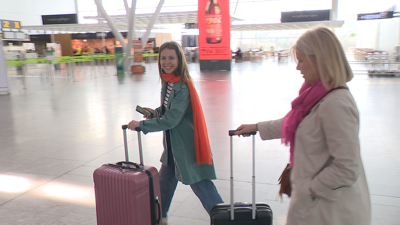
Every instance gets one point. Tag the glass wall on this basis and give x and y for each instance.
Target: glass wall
(264, 40)
(372, 34)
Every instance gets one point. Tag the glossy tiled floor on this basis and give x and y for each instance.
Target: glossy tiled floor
(52, 138)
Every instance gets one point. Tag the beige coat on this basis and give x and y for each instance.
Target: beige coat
(327, 161)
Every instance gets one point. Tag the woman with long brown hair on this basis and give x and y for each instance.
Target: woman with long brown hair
(187, 154)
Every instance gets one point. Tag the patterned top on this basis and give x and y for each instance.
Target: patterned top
(169, 89)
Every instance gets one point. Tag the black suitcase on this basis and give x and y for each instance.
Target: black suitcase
(241, 213)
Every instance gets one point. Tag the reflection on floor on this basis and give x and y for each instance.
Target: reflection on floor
(59, 129)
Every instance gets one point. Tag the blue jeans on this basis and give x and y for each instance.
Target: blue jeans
(205, 190)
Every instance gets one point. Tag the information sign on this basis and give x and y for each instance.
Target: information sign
(10, 25)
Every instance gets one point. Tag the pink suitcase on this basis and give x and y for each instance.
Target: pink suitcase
(127, 193)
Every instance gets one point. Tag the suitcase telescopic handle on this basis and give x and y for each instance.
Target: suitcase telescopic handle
(231, 134)
(124, 127)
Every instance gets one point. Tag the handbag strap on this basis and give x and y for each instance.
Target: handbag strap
(340, 87)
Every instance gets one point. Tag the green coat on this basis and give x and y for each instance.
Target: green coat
(178, 119)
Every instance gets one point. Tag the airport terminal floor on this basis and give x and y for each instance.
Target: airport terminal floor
(54, 134)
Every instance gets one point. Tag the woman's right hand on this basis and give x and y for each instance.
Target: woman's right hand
(153, 112)
(245, 129)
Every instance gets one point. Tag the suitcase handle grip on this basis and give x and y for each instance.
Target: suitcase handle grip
(128, 163)
(124, 127)
(232, 133)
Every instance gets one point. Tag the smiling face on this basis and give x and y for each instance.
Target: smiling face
(169, 60)
(307, 67)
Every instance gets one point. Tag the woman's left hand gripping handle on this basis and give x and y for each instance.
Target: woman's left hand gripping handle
(133, 125)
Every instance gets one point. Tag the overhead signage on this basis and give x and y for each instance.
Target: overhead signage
(84, 36)
(375, 16)
(60, 19)
(8, 35)
(101, 35)
(95, 35)
(190, 25)
(14, 35)
(3, 71)
(10, 25)
(214, 30)
(305, 16)
(40, 37)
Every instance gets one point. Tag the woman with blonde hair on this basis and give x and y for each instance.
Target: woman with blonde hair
(327, 179)
(187, 154)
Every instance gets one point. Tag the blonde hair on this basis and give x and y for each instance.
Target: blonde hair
(322, 45)
(182, 70)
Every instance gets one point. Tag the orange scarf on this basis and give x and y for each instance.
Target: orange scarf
(201, 142)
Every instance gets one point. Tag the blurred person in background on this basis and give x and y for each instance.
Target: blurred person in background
(78, 51)
(238, 54)
(328, 183)
(105, 50)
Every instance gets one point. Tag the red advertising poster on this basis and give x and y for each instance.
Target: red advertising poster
(214, 30)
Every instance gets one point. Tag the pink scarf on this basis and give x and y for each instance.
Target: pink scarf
(308, 96)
